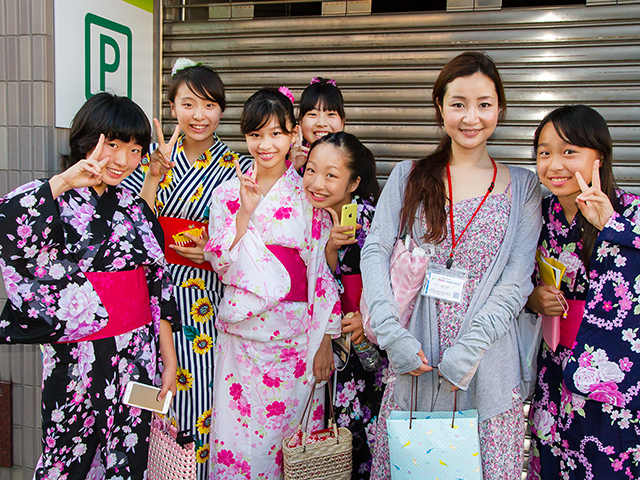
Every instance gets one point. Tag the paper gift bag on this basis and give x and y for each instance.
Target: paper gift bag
(563, 329)
(434, 445)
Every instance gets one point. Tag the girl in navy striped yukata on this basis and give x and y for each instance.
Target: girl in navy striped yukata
(177, 180)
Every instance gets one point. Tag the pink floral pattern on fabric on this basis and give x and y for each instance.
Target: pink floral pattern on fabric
(585, 416)
(265, 347)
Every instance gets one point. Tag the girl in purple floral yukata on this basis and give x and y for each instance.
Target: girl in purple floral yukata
(340, 171)
(280, 305)
(86, 277)
(585, 415)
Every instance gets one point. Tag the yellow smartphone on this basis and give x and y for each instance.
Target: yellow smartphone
(349, 217)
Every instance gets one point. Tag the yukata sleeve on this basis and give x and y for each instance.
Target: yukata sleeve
(50, 298)
(506, 299)
(623, 230)
(323, 289)
(134, 181)
(401, 346)
(324, 302)
(163, 303)
(258, 280)
(607, 346)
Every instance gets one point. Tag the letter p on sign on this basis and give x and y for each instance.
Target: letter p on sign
(108, 56)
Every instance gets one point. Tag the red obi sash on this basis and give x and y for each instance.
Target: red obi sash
(350, 298)
(563, 331)
(125, 296)
(293, 263)
(174, 229)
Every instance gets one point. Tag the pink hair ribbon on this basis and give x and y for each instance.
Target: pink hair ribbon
(287, 93)
(331, 81)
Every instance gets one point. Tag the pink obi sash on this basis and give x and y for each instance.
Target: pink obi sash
(125, 296)
(350, 299)
(563, 331)
(293, 263)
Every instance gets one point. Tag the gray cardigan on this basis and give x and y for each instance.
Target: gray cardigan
(484, 361)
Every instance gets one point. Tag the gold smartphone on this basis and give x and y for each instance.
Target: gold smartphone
(349, 217)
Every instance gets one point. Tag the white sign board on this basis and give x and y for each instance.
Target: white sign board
(102, 45)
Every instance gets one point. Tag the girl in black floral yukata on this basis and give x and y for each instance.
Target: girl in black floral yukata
(86, 277)
(339, 171)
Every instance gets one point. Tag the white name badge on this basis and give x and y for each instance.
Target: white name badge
(445, 284)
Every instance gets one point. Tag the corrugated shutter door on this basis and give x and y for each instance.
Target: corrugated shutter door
(385, 66)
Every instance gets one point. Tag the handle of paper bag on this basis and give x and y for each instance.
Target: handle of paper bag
(414, 402)
(307, 414)
(564, 304)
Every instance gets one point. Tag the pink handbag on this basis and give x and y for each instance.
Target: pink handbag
(167, 459)
(407, 271)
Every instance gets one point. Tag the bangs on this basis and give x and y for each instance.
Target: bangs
(327, 97)
(129, 125)
(200, 90)
(264, 105)
(203, 82)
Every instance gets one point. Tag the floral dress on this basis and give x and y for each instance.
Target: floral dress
(47, 249)
(502, 436)
(185, 192)
(585, 416)
(266, 345)
(358, 392)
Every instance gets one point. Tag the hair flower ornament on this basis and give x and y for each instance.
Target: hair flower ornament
(330, 81)
(287, 93)
(182, 63)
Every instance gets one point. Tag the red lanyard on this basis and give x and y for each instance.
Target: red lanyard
(455, 242)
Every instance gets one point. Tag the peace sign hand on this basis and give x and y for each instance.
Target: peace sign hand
(593, 202)
(87, 172)
(299, 153)
(159, 160)
(250, 193)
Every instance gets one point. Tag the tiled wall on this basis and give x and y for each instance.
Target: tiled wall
(27, 150)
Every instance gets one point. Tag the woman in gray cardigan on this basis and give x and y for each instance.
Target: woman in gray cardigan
(472, 340)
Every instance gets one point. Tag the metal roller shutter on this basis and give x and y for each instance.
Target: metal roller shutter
(385, 66)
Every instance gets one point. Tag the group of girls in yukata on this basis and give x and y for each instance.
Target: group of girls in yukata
(258, 277)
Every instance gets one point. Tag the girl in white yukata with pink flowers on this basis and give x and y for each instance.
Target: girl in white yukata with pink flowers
(280, 305)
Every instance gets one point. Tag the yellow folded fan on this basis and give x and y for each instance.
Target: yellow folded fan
(551, 270)
(181, 240)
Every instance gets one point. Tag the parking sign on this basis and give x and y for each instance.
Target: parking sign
(102, 45)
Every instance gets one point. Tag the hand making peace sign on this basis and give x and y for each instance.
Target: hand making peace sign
(593, 202)
(87, 172)
(299, 153)
(160, 160)
(250, 193)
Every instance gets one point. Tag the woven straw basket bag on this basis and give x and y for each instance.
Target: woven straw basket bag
(328, 459)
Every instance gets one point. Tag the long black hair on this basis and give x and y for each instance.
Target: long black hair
(119, 118)
(425, 185)
(359, 161)
(582, 126)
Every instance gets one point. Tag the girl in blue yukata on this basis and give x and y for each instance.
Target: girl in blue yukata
(585, 416)
(86, 277)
